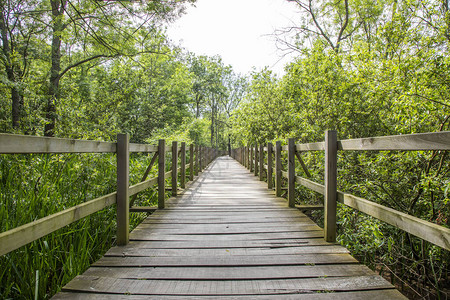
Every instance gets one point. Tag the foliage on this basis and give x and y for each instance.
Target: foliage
(385, 75)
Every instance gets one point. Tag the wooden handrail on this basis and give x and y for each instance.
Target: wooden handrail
(19, 144)
(23, 144)
(20, 236)
(425, 230)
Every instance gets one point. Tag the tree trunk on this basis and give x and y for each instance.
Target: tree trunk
(53, 89)
(16, 96)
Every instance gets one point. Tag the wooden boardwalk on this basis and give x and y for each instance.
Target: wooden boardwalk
(228, 236)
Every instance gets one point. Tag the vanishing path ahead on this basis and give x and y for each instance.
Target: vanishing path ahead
(228, 236)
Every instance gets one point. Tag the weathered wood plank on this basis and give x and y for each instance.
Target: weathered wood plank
(211, 244)
(146, 209)
(428, 231)
(232, 273)
(317, 187)
(330, 180)
(143, 148)
(142, 186)
(141, 252)
(226, 229)
(320, 146)
(226, 261)
(222, 287)
(13, 143)
(123, 198)
(145, 236)
(22, 235)
(415, 142)
(381, 294)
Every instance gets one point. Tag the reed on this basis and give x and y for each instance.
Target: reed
(35, 186)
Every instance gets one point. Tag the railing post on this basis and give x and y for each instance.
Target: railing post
(248, 157)
(291, 172)
(183, 165)
(201, 158)
(123, 211)
(261, 162)
(197, 160)
(269, 166)
(278, 176)
(191, 162)
(245, 157)
(251, 159)
(330, 185)
(174, 168)
(255, 157)
(161, 171)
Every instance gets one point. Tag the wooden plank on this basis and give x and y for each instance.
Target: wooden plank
(261, 162)
(221, 287)
(161, 173)
(256, 160)
(232, 273)
(330, 203)
(218, 252)
(142, 186)
(145, 236)
(22, 235)
(183, 165)
(225, 261)
(123, 198)
(320, 146)
(214, 244)
(191, 162)
(413, 142)
(14, 143)
(428, 231)
(291, 172)
(302, 163)
(225, 230)
(146, 209)
(218, 220)
(174, 168)
(143, 148)
(317, 187)
(380, 294)
(278, 169)
(309, 207)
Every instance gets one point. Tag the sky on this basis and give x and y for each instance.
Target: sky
(237, 30)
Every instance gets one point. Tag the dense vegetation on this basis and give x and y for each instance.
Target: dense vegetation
(368, 68)
(92, 69)
(89, 70)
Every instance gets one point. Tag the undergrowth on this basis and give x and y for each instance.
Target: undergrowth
(35, 186)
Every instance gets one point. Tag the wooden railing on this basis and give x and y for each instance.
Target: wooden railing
(253, 158)
(199, 158)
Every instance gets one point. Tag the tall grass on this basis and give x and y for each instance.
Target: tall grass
(35, 186)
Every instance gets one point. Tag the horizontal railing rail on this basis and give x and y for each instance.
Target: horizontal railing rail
(199, 158)
(253, 156)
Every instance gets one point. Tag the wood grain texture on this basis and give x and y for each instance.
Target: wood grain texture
(381, 294)
(13, 143)
(414, 142)
(227, 236)
(22, 235)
